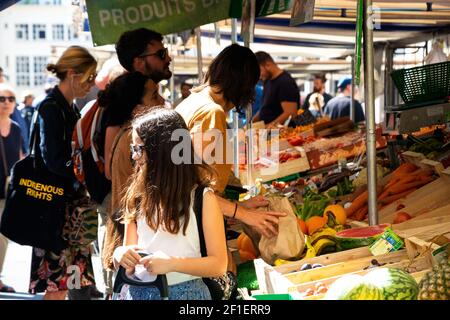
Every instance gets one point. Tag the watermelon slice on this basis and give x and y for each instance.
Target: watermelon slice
(359, 237)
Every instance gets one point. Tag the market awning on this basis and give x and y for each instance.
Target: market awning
(7, 3)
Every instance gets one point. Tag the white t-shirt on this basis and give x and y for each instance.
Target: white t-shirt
(171, 244)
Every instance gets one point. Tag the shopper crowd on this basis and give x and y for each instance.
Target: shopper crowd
(149, 220)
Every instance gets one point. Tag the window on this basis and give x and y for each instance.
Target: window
(39, 31)
(58, 31)
(21, 31)
(22, 71)
(71, 34)
(39, 70)
(57, 2)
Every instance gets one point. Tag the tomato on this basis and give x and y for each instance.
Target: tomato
(309, 292)
(401, 217)
(322, 290)
(400, 206)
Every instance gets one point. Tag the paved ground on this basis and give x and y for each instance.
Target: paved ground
(16, 271)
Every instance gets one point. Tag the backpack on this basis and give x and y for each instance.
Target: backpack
(87, 153)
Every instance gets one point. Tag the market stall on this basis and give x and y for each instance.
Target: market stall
(374, 229)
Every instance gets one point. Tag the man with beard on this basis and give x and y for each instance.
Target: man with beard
(280, 97)
(142, 50)
(316, 101)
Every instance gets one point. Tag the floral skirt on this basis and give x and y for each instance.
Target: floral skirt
(188, 290)
(69, 269)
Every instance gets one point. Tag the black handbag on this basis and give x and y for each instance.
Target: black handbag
(35, 205)
(225, 286)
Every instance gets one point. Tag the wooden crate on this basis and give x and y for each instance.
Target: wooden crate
(416, 275)
(421, 161)
(430, 197)
(280, 170)
(299, 281)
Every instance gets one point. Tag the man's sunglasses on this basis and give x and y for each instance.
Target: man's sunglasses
(10, 99)
(161, 53)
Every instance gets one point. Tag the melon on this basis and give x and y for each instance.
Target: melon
(395, 284)
(359, 237)
(353, 287)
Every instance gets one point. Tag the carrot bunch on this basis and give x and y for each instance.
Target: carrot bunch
(405, 179)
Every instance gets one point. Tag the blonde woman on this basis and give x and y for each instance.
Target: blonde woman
(76, 70)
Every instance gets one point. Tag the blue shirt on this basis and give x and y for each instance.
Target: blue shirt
(24, 129)
(339, 107)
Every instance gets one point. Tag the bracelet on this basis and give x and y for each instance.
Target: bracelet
(235, 210)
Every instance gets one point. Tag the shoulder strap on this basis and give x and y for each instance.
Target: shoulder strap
(198, 206)
(115, 143)
(34, 133)
(3, 153)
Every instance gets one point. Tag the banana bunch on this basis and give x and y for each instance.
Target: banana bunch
(318, 243)
(323, 241)
(310, 252)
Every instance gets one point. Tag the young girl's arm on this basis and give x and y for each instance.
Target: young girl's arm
(215, 264)
(126, 255)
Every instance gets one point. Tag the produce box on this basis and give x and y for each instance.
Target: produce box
(268, 169)
(327, 151)
(321, 296)
(432, 199)
(300, 281)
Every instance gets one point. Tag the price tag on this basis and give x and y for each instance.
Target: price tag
(388, 242)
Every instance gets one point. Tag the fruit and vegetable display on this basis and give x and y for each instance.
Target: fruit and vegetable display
(359, 237)
(406, 179)
(436, 283)
(331, 205)
(290, 154)
(378, 284)
(429, 148)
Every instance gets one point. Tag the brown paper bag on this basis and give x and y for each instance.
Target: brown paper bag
(290, 241)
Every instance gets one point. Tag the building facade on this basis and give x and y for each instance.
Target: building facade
(29, 33)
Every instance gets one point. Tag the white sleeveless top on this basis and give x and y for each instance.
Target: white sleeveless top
(171, 244)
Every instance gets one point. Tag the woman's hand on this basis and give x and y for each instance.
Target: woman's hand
(158, 263)
(127, 257)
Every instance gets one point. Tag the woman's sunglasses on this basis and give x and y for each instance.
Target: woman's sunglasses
(10, 99)
(89, 79)
(136, 149)
(161, 53)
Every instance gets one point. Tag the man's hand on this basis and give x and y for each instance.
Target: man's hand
(255, 202)
(264, 222)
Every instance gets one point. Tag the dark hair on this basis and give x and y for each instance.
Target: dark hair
(186, 84)
(235, 71)
(320, 77)
(263, 57)
(121, 96)
(160, 191)
(133, 43)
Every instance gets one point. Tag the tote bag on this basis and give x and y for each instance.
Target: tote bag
(35, 202)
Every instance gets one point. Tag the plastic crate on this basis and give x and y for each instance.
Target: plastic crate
(423, 84)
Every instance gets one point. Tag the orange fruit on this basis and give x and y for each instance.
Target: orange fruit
(315, 223)
(302, 226)
(245, 256)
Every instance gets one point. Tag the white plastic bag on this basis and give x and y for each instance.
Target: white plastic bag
(436, 54)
